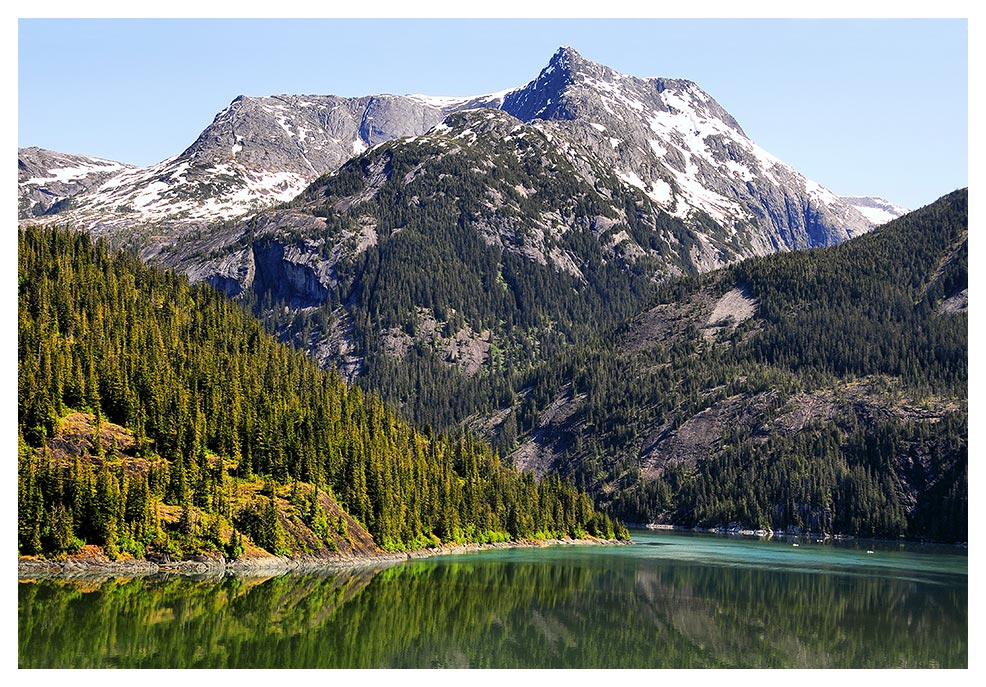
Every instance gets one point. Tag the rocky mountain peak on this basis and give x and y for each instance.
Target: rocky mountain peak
(567, 59)
(675, 143)
(543, 98)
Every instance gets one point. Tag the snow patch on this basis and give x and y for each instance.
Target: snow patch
(698, 197)
(178, 175)
(467, 134)
(818, 192)
(877, 210)
(150, 194)
(78, 172)
(876, 215)
(438, 101)
(449, 101)
(742, 171)
(659, 191)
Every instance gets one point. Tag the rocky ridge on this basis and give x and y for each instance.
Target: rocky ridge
(47, 181)
(257, 152)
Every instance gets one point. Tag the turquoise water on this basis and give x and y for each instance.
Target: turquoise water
(669, 600)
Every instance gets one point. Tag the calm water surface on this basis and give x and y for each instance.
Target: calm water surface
(670, 600)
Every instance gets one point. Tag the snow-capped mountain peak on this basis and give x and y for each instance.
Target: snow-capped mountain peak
(674, 142)
(665, 137)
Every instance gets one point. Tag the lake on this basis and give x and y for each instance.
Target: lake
(669, 600)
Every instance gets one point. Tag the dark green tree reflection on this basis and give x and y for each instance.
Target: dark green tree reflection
(503, 611)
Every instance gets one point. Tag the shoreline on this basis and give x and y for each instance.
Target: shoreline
(217, 565)
(816, 537)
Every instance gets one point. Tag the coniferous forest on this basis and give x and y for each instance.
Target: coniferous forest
(839, 406)
(158, 417)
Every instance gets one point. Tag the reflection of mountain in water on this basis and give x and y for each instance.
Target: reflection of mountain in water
(616, 611)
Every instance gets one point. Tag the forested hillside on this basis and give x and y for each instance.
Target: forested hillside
(158, 417)
(821, 390)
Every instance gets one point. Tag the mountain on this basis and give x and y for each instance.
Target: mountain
(47, 181)
(524, 221)
(665, 136)
(822, 391)
(157, 417)
(875, 209)
(256, 153)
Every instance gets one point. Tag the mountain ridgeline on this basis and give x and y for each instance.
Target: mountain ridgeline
(821, 390)
(155, 416)
(666, 137)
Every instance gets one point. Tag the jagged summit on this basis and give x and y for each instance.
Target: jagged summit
(566, 60)
(569, 60)
(674, 142)
(542, 98)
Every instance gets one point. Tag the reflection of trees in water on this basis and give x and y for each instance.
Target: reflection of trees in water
(606, 612)
(799, 619)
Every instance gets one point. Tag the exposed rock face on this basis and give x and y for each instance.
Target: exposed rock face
(307, 134)
(702, 434)
(956, 303)
(734, 307)
(539, 453)
(465, 348)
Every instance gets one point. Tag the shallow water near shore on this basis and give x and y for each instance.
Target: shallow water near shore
(669, 600)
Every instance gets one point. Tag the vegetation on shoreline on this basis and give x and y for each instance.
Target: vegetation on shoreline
(234, 440)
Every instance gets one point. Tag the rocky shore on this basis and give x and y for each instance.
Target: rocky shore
(733, 529)
(93, 564)
(791, 533)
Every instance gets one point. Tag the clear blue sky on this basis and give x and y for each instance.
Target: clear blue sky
(874, 107)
